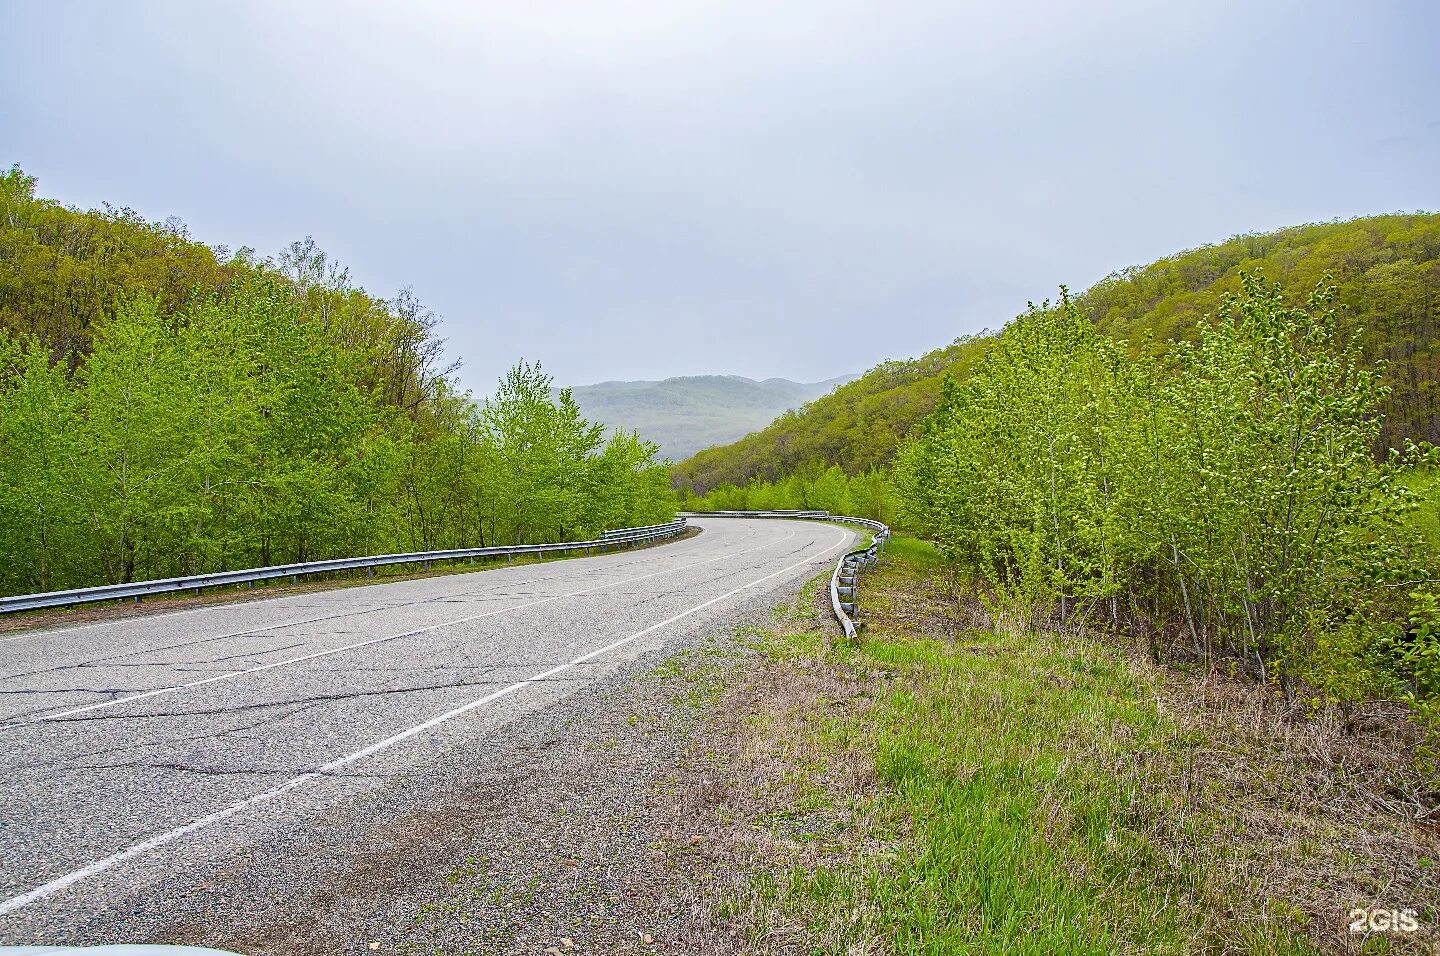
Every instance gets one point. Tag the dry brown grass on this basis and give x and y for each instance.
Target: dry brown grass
(763, 796)
(1289, 811)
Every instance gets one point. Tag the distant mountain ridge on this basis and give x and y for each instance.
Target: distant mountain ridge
(691, 412)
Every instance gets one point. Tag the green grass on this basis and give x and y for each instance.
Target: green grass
(915, 553)
(698, 673)
(1001, 758)
(1014, 799)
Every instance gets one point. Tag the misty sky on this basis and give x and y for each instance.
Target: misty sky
(638, 190)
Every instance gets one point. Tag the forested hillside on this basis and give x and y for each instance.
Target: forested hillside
(1217, 498)
(1386, 270)
(169, 408)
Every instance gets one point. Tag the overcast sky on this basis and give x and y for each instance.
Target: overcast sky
(639, 190)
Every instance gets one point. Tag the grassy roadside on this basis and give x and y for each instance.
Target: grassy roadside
(942, 788)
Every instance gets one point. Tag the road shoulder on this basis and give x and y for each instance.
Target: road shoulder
(937, 787)
(562, 831)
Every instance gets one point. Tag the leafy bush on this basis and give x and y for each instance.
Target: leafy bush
(815, 487)
(1223, 499)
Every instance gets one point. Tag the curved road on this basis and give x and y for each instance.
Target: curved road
(141, 757)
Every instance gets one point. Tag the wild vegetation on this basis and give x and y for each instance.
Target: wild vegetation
(810, 487)
(947, 786)
(1195, 453)
(167, 408)
(1224, 500)
(1385, 269)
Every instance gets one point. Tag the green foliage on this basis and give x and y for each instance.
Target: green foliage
(1386, 274)
(1016, 472)
(278, 415)
(1418, 650)
(63, 271)
(1386, 271)
(858, 425)
(557, 475)
(1223, 498)
(813, 487)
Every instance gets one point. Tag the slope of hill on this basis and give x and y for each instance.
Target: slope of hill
(169, 408)
(1386, 268)
(686, 414)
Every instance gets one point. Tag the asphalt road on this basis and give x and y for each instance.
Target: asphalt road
(144, 760)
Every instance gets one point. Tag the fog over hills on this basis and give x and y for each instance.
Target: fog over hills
(688, 413)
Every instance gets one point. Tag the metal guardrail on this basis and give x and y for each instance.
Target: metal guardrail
(622, 532)
(197, 582)
(845, 580)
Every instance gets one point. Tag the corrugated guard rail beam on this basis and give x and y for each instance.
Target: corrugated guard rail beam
(197, 582)
(622, 532)
(845, 580)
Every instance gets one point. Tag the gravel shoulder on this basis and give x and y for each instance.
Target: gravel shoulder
(562, 837)
(730, 799)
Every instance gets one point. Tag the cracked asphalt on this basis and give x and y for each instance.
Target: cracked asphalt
(251, 745)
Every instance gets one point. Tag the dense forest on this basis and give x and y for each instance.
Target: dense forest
(171, 408)
(1386, 271)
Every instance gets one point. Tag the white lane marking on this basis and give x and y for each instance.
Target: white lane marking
(100, 866)
(229, 675)
(51, 632)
